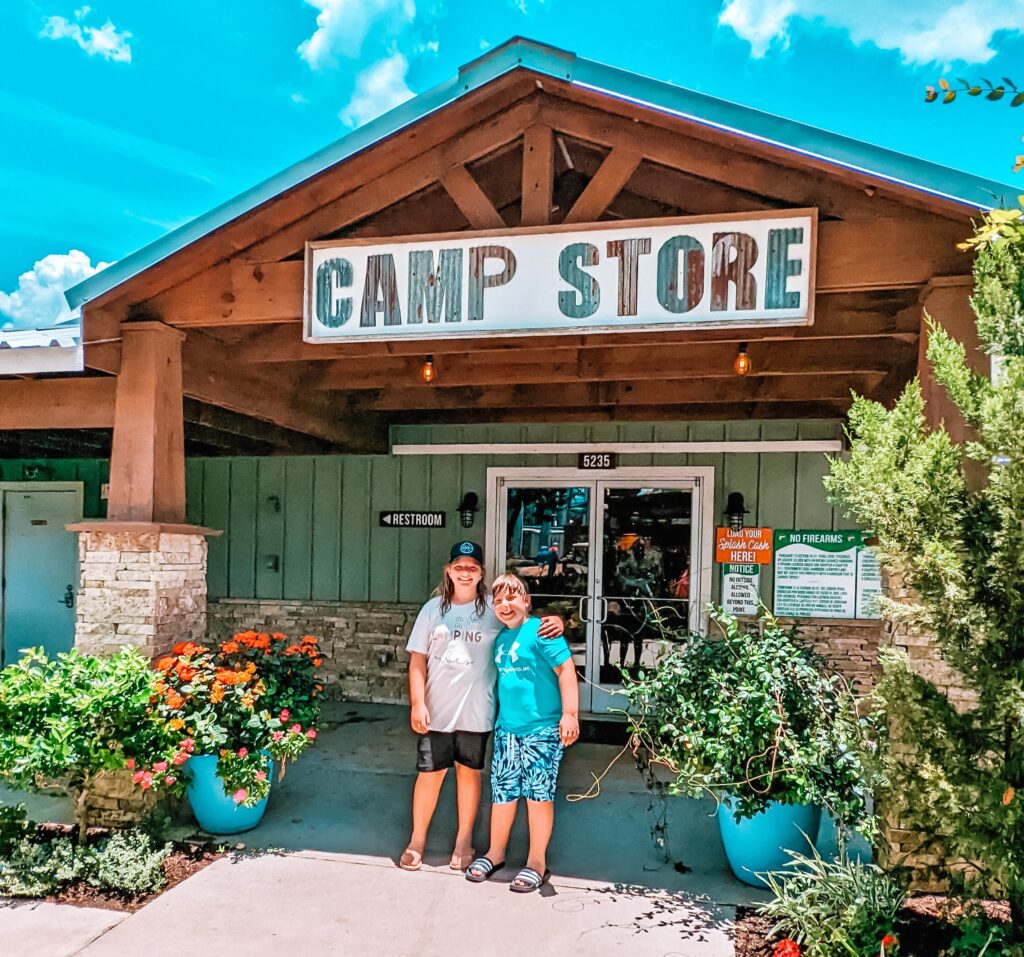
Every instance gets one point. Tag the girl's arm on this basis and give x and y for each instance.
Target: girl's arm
(419, 718)
(551, 626)
(568, 685)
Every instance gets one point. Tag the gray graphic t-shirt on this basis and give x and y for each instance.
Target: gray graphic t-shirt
(461, 674)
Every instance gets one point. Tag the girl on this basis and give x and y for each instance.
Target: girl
(452, 679)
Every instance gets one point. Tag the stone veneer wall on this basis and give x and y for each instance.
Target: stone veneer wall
(363, 642)
(144, 587)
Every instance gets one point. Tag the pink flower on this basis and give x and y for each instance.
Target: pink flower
(189, 745)
(285, 714)
(138, 776)
(130, 764)
(261, 775)
(160, 766)
(296, 729)
(180, 758)
(170, 779)
(311, 734)
(242, 752)
(277, 735)
(240, 795)
(147, 781)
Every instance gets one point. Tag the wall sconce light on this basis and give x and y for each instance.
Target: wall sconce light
(468, 508)
(428, 371)
(274, 503)
(742, 365)
(735, 510)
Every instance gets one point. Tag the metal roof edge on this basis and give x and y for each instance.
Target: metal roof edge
(521, 53)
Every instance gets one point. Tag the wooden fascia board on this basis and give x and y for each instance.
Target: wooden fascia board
(78, 403)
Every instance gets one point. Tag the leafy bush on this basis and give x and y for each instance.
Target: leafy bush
(64, 721)
(978, 936)
(751, 716)
(37, 868)
(127, 861)
(833, 908)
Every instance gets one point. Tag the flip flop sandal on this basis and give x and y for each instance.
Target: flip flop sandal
(460, 862)
(528, 880)
(482, 869)
(415, 861)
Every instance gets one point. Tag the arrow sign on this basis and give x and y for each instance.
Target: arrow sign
(396, 519)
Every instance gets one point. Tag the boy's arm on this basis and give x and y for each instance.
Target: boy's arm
(419, 718)
(568, 685)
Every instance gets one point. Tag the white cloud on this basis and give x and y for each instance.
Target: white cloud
(39, 301)
(342, 25)
(106, 41)
(942, 32)
(379, 88)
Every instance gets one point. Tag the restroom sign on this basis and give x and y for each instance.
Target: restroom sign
(743, 546)
(699, 272)
(412, 519)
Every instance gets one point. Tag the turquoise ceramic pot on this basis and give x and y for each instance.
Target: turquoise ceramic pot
(216, 811)
(759, 843)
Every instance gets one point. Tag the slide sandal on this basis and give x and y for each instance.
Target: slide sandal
(528, 880)
(410, 860)
(481, 870)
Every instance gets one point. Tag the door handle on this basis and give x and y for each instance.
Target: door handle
(68, 601)
(604, 609)
(580, 608)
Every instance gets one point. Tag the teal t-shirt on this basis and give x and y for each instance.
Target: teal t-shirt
(528, 694)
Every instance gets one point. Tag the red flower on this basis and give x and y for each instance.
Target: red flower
(170, 779)
(311, 734)
(130, 764)
(242, 752)
(285, 713)
(160, 766)
(296, 729)
(889, 940)
(138, 776)
(180, 758)
(786, 948)
(188, 744)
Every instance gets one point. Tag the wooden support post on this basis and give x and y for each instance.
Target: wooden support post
(472, 201)
(618, 166)
(147, 463)
(538, 175)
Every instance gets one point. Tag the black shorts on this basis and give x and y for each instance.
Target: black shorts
(438, 750)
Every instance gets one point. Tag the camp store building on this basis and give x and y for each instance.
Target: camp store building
(513, 309)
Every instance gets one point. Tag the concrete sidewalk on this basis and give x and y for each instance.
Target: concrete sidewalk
(319, 874)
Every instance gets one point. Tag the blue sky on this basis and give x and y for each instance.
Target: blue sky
(124, 119)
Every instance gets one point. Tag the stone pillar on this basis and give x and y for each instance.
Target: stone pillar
(141, 584)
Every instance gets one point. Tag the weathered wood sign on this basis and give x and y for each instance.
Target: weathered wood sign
(697, 272)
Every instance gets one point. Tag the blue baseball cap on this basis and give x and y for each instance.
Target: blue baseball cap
(467, 550)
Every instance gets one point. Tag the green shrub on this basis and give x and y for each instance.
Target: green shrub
(127, 861)
(38, 868)
(64, 721)
(844, 907)
(751, 716)
(979, 936)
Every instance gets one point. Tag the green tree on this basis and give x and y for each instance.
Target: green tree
(958, 544)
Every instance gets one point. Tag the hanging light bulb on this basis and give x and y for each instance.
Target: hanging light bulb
(428, 373)
(742, 365)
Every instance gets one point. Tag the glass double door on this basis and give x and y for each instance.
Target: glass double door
(618, 558)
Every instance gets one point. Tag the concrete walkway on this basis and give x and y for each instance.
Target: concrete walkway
(319, 873)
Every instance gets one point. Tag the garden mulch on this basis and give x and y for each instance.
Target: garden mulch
(924, 927)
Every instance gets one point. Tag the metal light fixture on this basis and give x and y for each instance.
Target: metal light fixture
(468, 508)
(428, 372)
(742, 365)
(735, 510)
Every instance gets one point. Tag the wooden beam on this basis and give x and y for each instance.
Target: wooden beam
(78, 403)
(281, 397)
(147, 459)
(472, 201)
(538, 365)
(538, 175)
(611, 177)
(752, 388)
(236, 429)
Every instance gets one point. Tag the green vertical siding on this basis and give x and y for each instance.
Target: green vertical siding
(92, 473)
(327, 538)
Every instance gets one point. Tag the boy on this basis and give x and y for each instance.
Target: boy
(538, 707)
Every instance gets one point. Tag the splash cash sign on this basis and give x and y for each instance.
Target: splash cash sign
(698, 272)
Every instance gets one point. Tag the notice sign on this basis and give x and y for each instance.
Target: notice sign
(743, 546)
(699, 272)
(412, 519)
(741, 589)
(825, 574)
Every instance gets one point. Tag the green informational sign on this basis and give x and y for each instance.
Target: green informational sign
(741, 588)
(825, 574)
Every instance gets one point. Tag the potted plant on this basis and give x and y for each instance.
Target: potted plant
(748, 717)
(234, 711)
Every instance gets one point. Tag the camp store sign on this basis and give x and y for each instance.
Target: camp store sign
(697, 272)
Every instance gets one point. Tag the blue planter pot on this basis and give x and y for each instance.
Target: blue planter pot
(759, 843)
(216, 811)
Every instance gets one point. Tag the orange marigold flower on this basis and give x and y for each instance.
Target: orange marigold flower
(176, 723)
(165, 663)
(217, 694)
(786, 948)
(188, 648)
(184, 671)
(317, 662)
(309, 640)
(174, 700)
(230, 647)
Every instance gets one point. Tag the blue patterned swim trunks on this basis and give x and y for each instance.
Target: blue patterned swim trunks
(525, 765)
